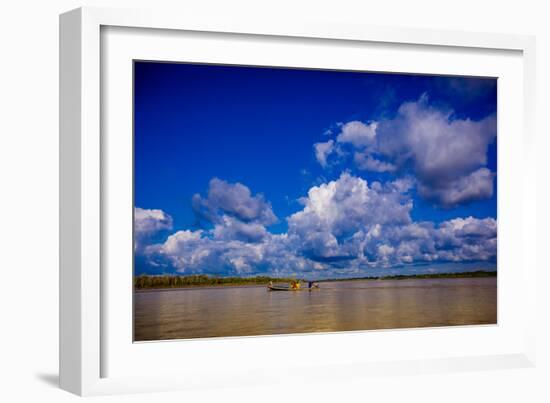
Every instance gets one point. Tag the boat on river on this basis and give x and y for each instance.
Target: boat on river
(282, 288)
(295, 286)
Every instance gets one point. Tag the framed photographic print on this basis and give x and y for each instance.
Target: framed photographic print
(275, 200)
(232, 196)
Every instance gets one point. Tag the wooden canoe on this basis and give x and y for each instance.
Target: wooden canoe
(286, 288)
(281, 288)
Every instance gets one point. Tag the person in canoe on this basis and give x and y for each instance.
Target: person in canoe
(295, 285)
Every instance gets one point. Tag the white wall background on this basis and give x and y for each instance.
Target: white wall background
(29, 196)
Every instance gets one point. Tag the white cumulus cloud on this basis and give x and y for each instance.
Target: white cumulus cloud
(322, 151)
(235, 200)
(346, 226)
(358, 133)
(147, 222)
(446, 154)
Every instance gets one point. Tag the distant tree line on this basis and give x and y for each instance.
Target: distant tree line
(463, 274)
(174, 281)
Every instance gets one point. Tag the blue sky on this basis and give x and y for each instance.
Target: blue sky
(235, 165)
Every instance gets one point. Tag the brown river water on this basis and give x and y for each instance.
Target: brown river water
(336, 306)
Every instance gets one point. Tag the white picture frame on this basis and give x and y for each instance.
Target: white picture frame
(85, 302)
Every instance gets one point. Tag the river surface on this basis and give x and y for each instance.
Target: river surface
(336, 306)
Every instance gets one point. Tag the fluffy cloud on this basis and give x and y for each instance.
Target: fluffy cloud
(456, 240)
(366, 162)
(447, 155)
(234, 200)
(345, 227)
(348, 220)
(477, 185)
(196, 252)
(322, 151)
(335, 211)
(234, 212)
(358, 133)
(231, 228)
(466, 239)
(148, 222)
